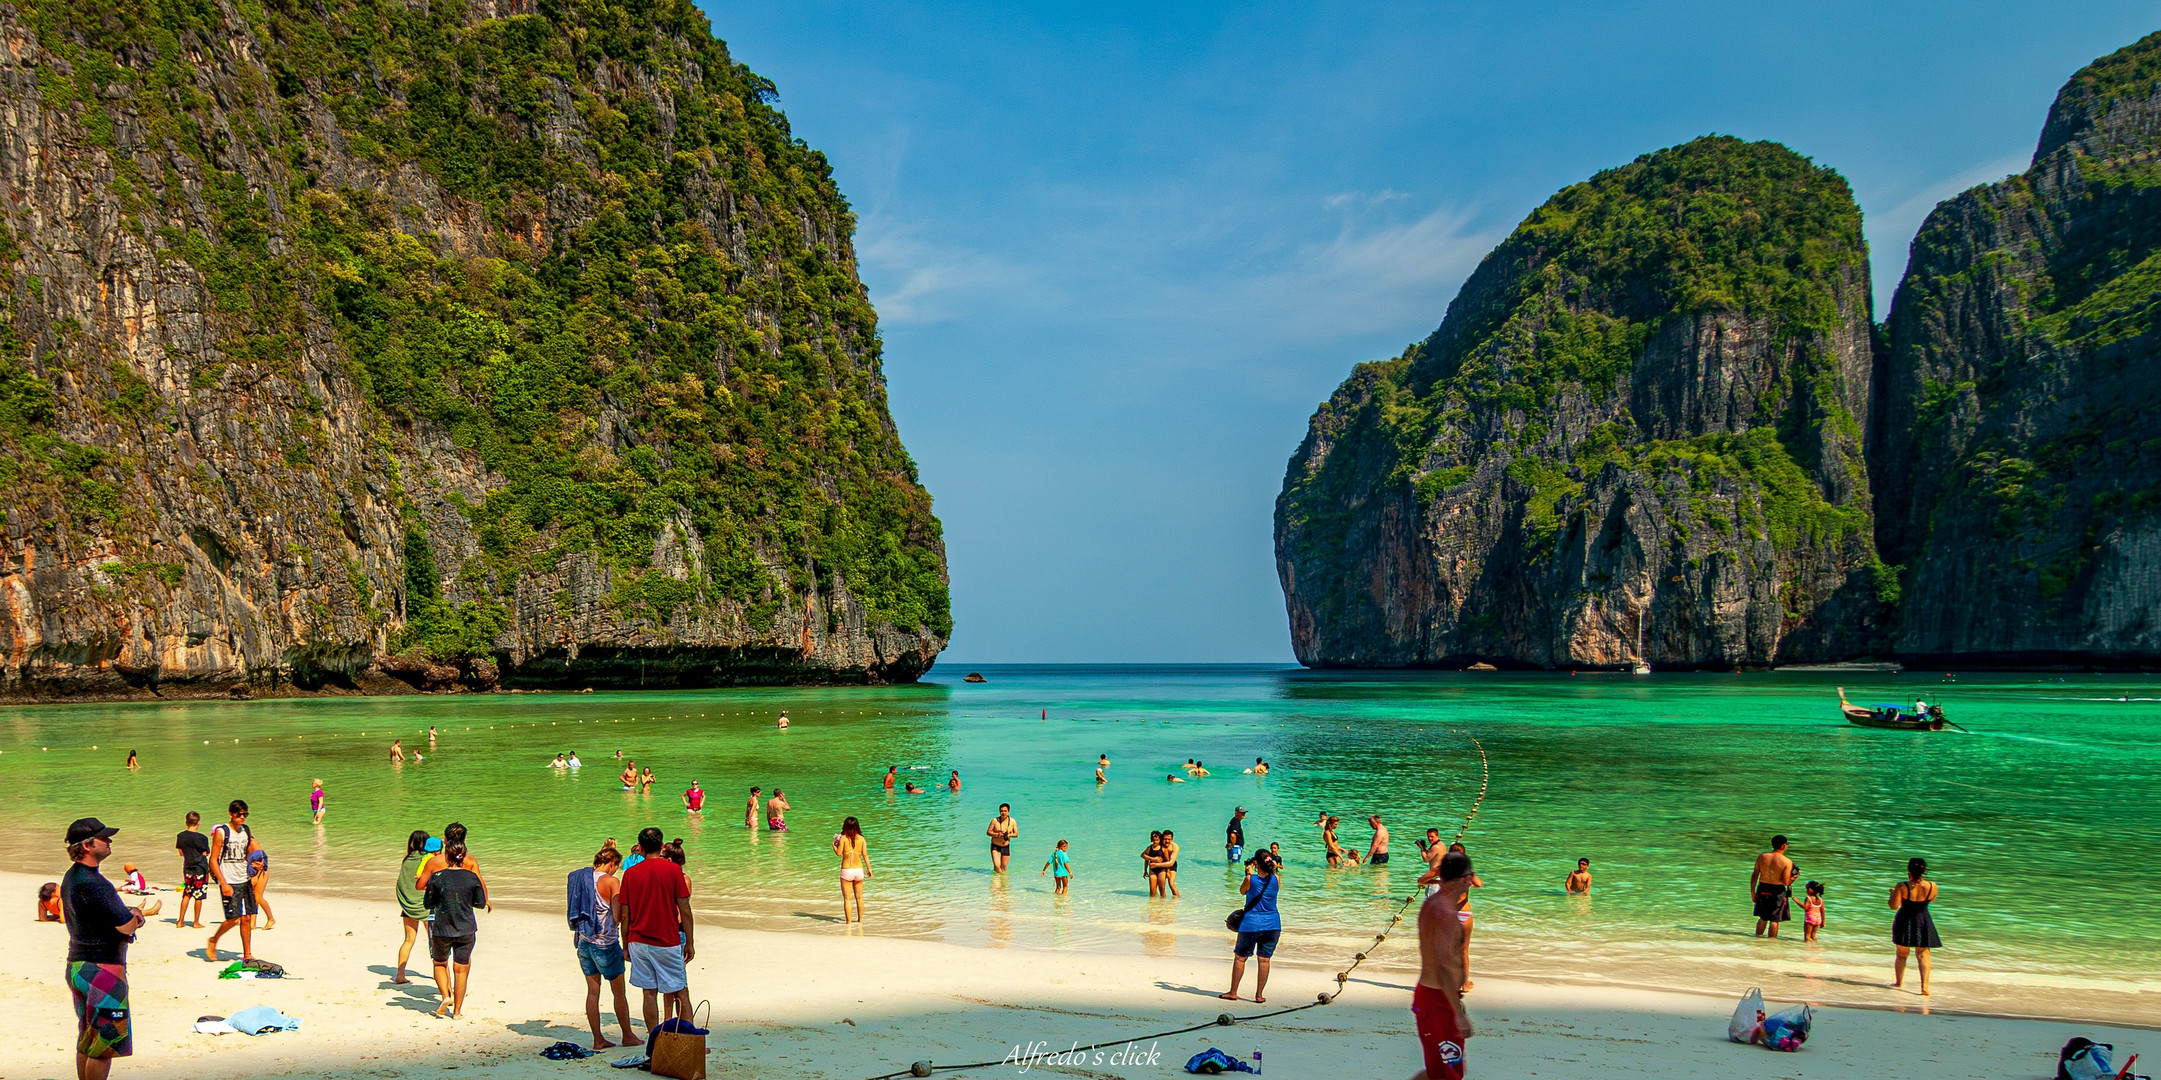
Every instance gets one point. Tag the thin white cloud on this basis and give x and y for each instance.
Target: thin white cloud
(915, 281)
(1908, 215)
(1363, 198)
(1891, 231)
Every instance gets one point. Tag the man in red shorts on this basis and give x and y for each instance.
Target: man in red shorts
(1438, 1002)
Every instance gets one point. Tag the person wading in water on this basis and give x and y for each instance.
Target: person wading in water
(1770, 887)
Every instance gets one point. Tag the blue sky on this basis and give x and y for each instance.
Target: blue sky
(1121, 252)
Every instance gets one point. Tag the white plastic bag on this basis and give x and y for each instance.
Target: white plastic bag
(1747, 1019)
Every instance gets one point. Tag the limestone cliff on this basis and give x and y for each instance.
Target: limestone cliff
(2016, 451)
(377, 345)
(1636, 433)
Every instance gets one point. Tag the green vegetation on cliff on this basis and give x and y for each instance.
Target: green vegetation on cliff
(1714, 225)
(1635, 435)
(2022, 343)
(1570, 300)
(649, 316)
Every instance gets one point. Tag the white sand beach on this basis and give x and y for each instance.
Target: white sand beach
(831, 1003)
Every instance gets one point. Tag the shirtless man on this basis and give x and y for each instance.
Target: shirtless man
(1430, 851)
(1580, 881)
(630, 776)
(1437, 1003)
(1002, 830)
(776, 812)
(1377, 851)
(1770, 887)
(1260, 767)
(397, 749)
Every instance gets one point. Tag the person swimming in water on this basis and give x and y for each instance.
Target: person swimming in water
(912, 789)
(953, 784)
(1580, 881)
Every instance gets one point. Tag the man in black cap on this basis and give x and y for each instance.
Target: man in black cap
(1234, 836)
(100, 927)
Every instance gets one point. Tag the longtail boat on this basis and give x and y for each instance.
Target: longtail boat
(1895, 717)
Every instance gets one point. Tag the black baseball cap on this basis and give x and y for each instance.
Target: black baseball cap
(88, 828)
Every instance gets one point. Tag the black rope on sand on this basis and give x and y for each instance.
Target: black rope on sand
(1343, 978)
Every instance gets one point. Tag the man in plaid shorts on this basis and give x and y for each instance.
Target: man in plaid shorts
(100, 927)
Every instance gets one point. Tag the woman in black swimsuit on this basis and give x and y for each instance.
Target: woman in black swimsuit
(1912, 928)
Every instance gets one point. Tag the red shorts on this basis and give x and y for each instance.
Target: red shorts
(1438, 1035)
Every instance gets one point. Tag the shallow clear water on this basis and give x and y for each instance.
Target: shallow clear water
(2036, 825)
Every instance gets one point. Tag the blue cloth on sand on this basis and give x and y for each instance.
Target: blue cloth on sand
(1212, 1061)
(256, 1019)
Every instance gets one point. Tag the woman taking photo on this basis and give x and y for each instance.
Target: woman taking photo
(412, 903)
(854, 854)
(1912, 928)
(1259, 926)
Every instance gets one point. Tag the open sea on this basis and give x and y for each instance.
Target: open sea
(2039, 824)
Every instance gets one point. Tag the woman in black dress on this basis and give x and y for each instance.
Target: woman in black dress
(1912, 928)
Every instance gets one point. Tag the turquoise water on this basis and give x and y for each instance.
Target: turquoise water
(2036, 825)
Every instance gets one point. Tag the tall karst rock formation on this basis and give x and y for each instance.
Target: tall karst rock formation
(1637, 432)
(368, 344)
(2016, 446)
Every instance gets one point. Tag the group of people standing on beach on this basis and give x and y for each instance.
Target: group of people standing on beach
(1913, 928)
(101, 926)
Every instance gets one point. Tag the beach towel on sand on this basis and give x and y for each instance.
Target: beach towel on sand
(257, 1019)
(1211, 1061)
(252, 969)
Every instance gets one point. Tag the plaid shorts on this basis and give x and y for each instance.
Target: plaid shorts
(101, 1009)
